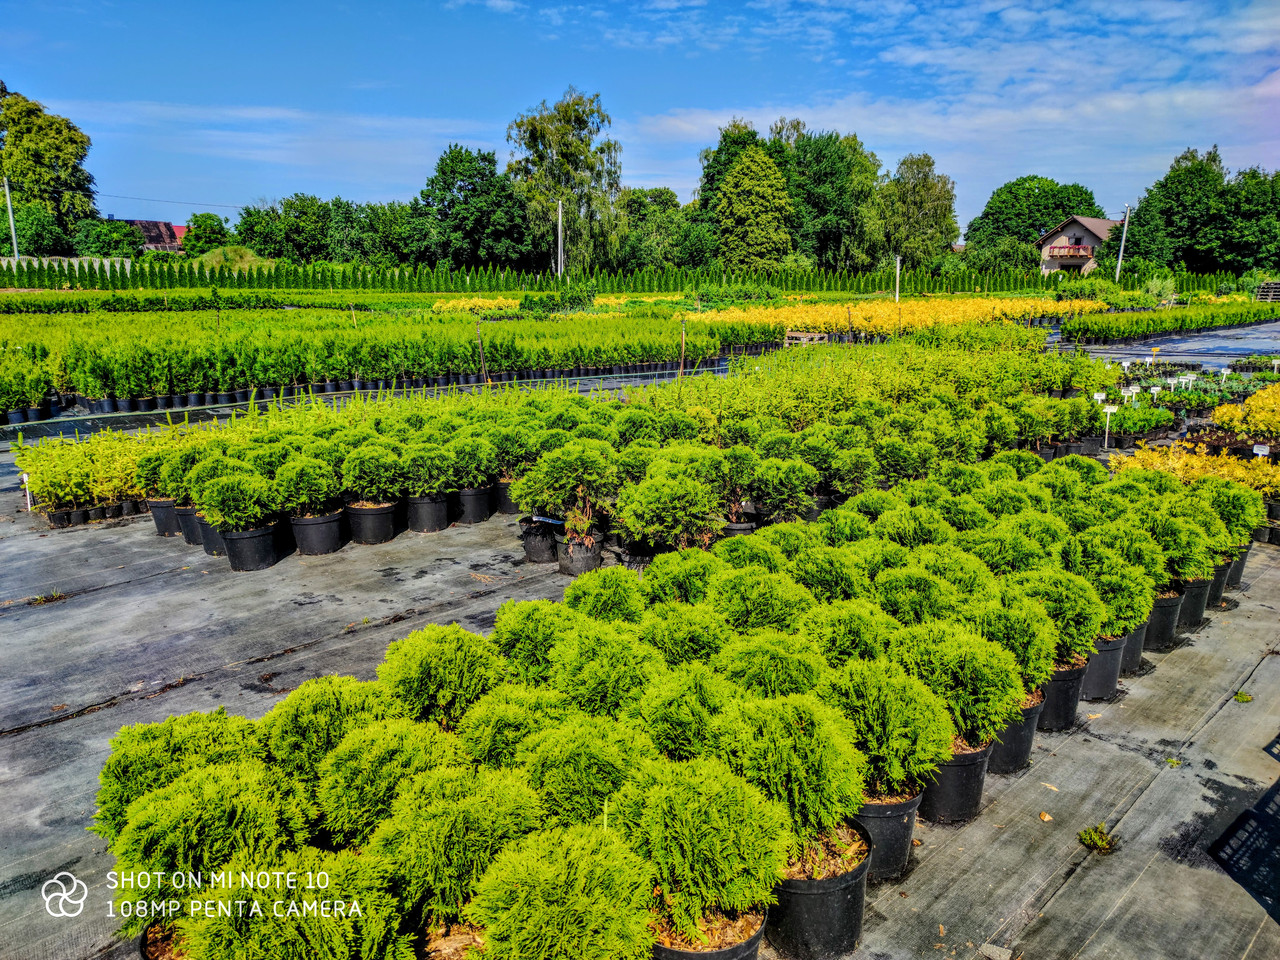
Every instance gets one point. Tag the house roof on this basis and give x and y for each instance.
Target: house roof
(1095, 225)
(156, 232)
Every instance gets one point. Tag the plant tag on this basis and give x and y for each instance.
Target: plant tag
(1155, 390)
(1148, 361)
(1125, 363)
(1262, 449)
(1109, 409)
(1099, 397)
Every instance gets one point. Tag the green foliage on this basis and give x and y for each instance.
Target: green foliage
(308, 487)
(602, 668)
(1020, 624)
(752, 598)
(524, 632)
(712, 842)
(919, 211)
(912, 594)
(495, 726)
(238, 501)
(683, 633)
(669, 512)
(830, 574)
(783, 489)
(429, 470)
(571, 483)
(146, 756)
(475, 462)
(851, 629)
(609, 594)
(1026, 208)
(791, 538)
(912, 526)
(478, 218)
(1072, 604)
(577, 765)
(1097, 839)
(900, 724)
(678, 710)
(771, 664)
(439, 671)
(373, 474)
(445, 829)
(740, 552)
(43, 156)
(205, 232)
(105, 238)
(568, 894)
(681, 575)
(751, 210)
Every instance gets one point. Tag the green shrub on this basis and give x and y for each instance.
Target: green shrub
(495, 726)
(475, 462)
(783, 489)
(1132, 544)
(901, 726)
(713, 843)
(830, 574)
(979, 680)
(912, 595)
(445, 830)
(1004, 547)
(791, 538)
(964, 571)
(300, 730)
(146, 756)
(678, 710)
(570, 894)
(602, 668)
(576, 765)
(1004, 498)
(855, 470)
(873, 503)
(680, 576)
(1020, 624)
(682, 633)
(875, 556)
(238, 501)
(1073, 606)
(912, 527)
(669, 512)
(524, 632)
(373, 475)
(429, 470)
(771, 664)
(243, 922)
(842, 525)
(752, 598)
(1187, 553)
(609, 594)
(963, 512)
(740, 466)
(363, 773)
(795, 750)
(439, 671)
(1023, 462)
(1239, 508)
(203, 818)
(852, 629)
(739, 552)
(571, 483)
(308, 487)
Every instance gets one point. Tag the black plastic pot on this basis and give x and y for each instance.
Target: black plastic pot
(955, 793)
(195, 399)
(252, 549)
(1102, 672)
(211, 538)
(1012, 750)
(748, 949)
(317, 535)
(1195, 597)
(58, 519)
(372, 524)
(1218, 584)
(1061, 699)
(891, 826)
(112, 511)
(188, 525)
(473, 504)
(165, 516)
(738, 529)
(539, 540)
(99, 513)
(576, 557)
(16, 416)
(502, 500)
(428, 514)
(1237, 566)
(1131, 662)
(1164, 620)
(79, 517)
(815, 919)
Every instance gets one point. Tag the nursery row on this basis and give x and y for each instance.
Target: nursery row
(1247, 429)
(1102, 328)
(721, 749)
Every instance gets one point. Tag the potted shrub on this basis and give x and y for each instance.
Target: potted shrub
(795, 750)
(474, 464)
(741, 464)
(373, 481)
(664, 512)
(980, 684)
(783, 490)
(243, 506)
(174, 486)
(309, 492)
(147, 473)
(572, 484)
(202, 473)
(429, 478)
(1127, 595)
(904, 730)
(514, 453)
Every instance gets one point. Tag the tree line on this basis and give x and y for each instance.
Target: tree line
(787, 199)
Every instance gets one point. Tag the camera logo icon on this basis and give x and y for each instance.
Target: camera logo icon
(64, 895)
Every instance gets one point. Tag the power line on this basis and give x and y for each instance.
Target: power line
(184, 203)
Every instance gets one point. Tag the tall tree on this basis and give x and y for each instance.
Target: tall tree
(1023, 209)
(43, 156)
(561, 155)
(918, 207)
(1253, 212)
(479, 219)
(832, 183)
(107, 238)
(39, 233)
(752, 208)
(205, 232)
(735, 137)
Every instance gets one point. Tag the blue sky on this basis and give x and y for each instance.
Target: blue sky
(234, 102)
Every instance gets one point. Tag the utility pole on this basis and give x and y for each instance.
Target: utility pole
(897, 277)
(13, 233)
(1123, 235)
(560, 239)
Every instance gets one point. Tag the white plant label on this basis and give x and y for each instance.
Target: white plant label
(1155, 391)
(1099, 397)
(1109, 409)
(1262, 449)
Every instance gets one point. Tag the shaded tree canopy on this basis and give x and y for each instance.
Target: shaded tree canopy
(43, 156)
(918, 207)
(1025, 208)
(478, 219)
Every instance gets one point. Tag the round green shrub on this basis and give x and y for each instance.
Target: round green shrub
(475, 462)
(680, 576)
(964, 571)
(771, 664)
(960, 479)
(1129, 541)
(679, 708)
(1073, 606)
(524, 631)
(752, 598)
(429, 470)
(146, 756)
(783, 489)
(873, 503)
(663, 511)
(713, 843)
(495, 726)
(1187, 553)
(1239, 508)
(1125, 590)
(267, 458)
(682, 633)
(796, 751)
(791, 538)
(901, 726)
(912, 527)
(576, 765)
(854, 470)
(1023, 462)
(1020, 624)
(204, 817)
(300, 730)
(842, 525)
(978, 680)
(609, 594)
(308, 487)
(373, 475)
(445, 830)
(361, 776)
(439, 671)
(570, 894)
(238, 501)
(1004, 498)
(913, 595)
(602, 668)
(963, 512)
(1004, 547)
(830, 574)
(739, 552)
(875, 556)
(853, 629)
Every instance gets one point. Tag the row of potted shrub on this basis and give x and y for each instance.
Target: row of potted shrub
(1104, 328)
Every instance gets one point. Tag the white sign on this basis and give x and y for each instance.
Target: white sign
(1109, 409)
(1099, 397)
(1155, 390)
(1125, 363)
(1148, 361)
(1262, 449)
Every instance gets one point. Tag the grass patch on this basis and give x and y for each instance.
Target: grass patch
(1097, 839)
(1242, 697)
